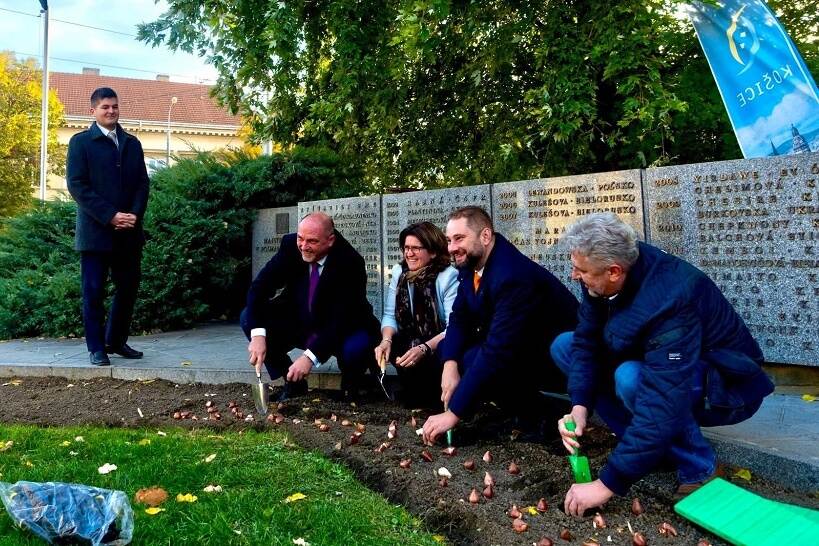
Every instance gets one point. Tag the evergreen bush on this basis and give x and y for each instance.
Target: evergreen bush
(196, 262)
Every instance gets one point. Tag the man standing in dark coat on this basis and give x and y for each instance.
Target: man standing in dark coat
(658, 352)
(106, 176)
(312, 294)
(507, 312)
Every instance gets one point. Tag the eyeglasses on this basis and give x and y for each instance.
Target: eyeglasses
(408, 248)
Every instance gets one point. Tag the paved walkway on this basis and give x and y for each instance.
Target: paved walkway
(781, 442)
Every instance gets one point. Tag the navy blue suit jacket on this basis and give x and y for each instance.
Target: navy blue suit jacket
(104, 180)
(518, 311)
(340, 305)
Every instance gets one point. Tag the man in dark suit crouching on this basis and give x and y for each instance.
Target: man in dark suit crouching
(322, 307)
(507, 312)
(106, 176)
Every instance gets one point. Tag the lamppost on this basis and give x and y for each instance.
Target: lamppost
(168, 136)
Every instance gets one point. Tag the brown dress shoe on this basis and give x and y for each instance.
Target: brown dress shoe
(686, 489)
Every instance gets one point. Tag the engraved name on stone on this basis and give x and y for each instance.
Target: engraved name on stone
(751, 225)
(359, 221)
(533, 214)
(268, 229)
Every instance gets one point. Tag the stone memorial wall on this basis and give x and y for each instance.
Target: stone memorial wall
(753, 227)
(270, 226)
(533, 214)
(403, 209)
(359, 221)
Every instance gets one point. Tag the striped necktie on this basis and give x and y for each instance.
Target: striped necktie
(113, 136)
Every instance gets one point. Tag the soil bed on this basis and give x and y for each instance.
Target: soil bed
(544, 471)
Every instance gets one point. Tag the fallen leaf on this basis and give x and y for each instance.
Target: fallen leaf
(213, 489)
(79, 439)
(153, 510)
(29, 464)
(73, 453)
(144, 442)
(152, 496)
(147, 381)
(6, 446)
(295, 497)
(743, 473)
(532, 510)
(209, 458)
(300, 542)
(65, 443)
(107, 468)
(13, 383)
(809, 398)
(187, 497)
(139, 411)
(161, 433)
(69, 385)
(438, 538)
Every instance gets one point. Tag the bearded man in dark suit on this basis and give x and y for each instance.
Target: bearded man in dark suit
(312, 294)
(507, 313)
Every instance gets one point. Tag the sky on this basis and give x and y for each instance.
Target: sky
(117, 53)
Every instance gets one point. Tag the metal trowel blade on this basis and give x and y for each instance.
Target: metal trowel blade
(261, 396)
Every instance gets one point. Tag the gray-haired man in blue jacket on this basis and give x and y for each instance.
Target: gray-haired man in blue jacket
(658, 352)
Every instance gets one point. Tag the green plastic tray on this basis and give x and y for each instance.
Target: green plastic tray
(746, 519)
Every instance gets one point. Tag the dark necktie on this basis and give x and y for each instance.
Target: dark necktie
(314, 280)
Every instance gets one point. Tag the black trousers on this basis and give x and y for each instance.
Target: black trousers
(354, 354)
(125, 271)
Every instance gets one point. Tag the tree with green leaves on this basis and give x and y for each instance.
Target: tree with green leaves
(20, 122)
(429, 93)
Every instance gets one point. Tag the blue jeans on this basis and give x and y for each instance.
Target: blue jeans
(688, 451)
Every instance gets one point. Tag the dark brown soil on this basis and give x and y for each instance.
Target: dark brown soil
(544, 471)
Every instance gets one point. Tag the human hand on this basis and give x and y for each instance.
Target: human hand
(411, 357)
(582, 496)
(450, 378)
(299, 369)
(382, 351)
(437, 425)
(258, 351)
(578, 415)
(123, 220)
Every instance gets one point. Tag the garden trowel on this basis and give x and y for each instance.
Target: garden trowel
(261, 396)
(382, 364)
(579, 463)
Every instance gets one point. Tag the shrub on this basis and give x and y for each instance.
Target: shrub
(196, 263)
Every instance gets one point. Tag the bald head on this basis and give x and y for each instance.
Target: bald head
(315, 236)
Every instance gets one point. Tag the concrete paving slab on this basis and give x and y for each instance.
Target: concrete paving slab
(781, 442)
(786, 426)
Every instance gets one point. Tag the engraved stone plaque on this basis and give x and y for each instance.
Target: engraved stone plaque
(268, 229)
(359, 221)
(533, 214)
(753, 227)
(434, 206)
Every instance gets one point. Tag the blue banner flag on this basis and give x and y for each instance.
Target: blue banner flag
(770, 95)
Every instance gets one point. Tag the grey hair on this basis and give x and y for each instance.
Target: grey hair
(603, 238)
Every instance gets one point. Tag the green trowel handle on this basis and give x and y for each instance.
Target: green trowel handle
(570, 426)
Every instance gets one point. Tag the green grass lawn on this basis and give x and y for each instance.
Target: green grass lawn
(257, 472)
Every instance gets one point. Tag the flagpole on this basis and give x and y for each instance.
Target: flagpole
(44, 109)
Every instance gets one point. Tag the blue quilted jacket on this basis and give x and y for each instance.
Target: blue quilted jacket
(673, 318)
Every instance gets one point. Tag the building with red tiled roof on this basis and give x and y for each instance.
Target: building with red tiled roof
(193, 122)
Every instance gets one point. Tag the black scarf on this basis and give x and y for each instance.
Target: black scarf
(420, 322)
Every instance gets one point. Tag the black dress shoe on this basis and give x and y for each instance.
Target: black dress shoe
(292, 389)
(99, 358)
(125, 351)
